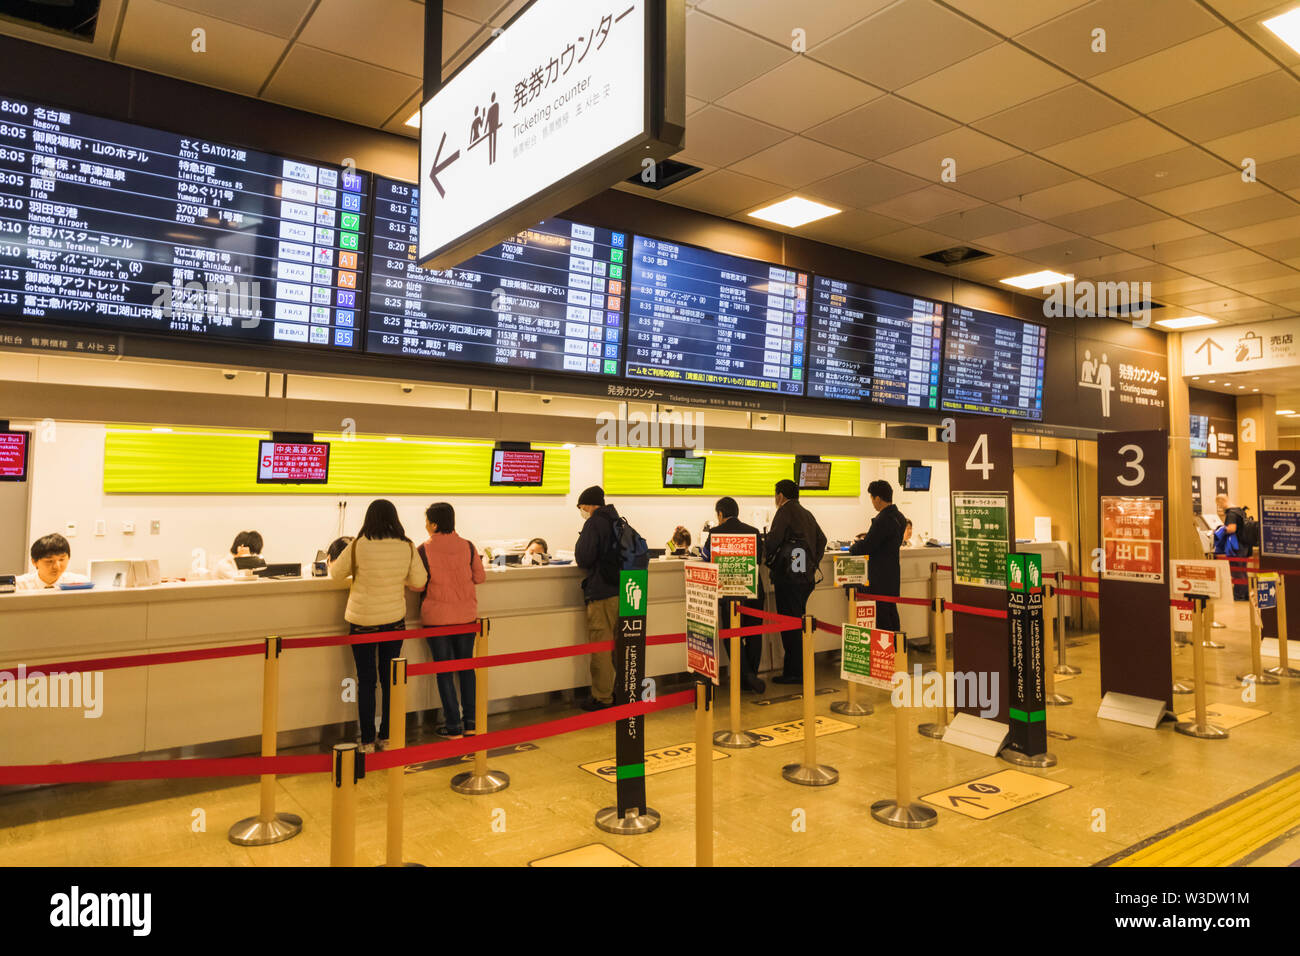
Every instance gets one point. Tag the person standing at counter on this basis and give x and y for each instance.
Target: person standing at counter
(751, 647)
(596, 552)
(794, 545)
(382, 562)
(881, 544)
(50, 556)
(454, 568)
(247, 544)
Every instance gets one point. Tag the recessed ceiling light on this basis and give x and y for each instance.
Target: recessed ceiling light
(1286, 411)
(1186, 322)
(793, 212)
(1287, 28)
(1242, 387)
(392, 438)
(1209, 381)
(414, 120)
(1037, 280)
(1254, 390)
(1196, 378)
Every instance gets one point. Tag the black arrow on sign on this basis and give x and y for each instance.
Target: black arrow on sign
(958, 799)
(1208, 346)
(440, 166)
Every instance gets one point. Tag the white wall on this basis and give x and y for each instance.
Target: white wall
(1211, 468)
(67, 486)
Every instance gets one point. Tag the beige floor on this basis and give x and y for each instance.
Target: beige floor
(1142, 780)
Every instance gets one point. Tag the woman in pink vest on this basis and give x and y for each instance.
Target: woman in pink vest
(454, 569)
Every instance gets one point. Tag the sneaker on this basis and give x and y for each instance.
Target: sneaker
(592, 704)
(442, 730)
(367, 748)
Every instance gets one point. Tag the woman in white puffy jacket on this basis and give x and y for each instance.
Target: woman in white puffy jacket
(382, 562)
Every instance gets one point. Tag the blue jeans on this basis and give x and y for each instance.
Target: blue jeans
(458, 715)
(374, 662)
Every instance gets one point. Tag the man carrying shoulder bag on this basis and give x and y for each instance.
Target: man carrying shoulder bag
(794, 547)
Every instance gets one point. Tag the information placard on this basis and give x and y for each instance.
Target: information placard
(702, 619)
(980, 539)
(866, 614)
(1133, 536)
(736, 557)
(1197, 577)
(867, 657)
(1279, 527)
(849, 569)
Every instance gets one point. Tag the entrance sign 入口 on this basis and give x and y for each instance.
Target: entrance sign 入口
(980, 539)
(1028, 708)
(629, 665)
(868, 657)
(736, 558)
(849, 570)
(702, 619)
(566, 101)
(1132, 535)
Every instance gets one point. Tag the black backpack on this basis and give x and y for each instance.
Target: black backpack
(628, 552)
(1248, 533)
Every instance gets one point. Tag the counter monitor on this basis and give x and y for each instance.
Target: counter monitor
(549, 299)
(870, 345)
(518, 469)
(916, 478)
(293, 462)
(682, 472)
(13, 455)
(698, 317)
(993, 365)
(812, 475)
(117, 226)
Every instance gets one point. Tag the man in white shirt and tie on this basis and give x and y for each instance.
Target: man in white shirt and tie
(50, 556)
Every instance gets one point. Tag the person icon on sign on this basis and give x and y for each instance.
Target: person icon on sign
(493, 124)
(476, 127)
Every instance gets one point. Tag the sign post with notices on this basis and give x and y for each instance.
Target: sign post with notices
(867, 657)
(1277, 475)
(980, 539)
(850, 572)
(1263, 587)
(1027, 742)
(1193, 576)
(736, 558)
(631, 815)
(702, 619)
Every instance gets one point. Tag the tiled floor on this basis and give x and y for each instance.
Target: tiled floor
(1126, 783)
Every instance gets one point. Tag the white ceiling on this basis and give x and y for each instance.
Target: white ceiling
(1114, 166)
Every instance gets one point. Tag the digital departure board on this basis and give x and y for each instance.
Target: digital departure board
(519, 468)
(115, 225)
(293, 462)
(993, 365)
(699, 317)
(870, 345)
(549, 299)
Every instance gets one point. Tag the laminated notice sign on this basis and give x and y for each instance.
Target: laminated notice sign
(1197, 576)
(736, 558)
(849, 570)
(702, 619)
(980, 539)
(868, 657)
(1133, 538)
(1279, 527)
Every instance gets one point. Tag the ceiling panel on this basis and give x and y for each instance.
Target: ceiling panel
(395, 39)
(980, 221)
(1033, 236)
(1165, 171)
(1064, 114)
(718, 137)
(1115, 145)
(988, 82)
(280, 18)
(1150, 233)
(851, 227)
(1263, 100)
(721, 58)
(1210, 62)
(1012, 18)
(924, 204)
(1012, 177)
(865, 185)
(964, 147)
(1068, 197)
(1205, 194)
(1115, 215)
(909, 243)
(334, 85)
(776, 20)
(796, 162)
(723, 192)
(883, 126)
(1263, 208)
(798, 94)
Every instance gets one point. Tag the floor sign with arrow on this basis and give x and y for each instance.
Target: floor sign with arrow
(995, 794)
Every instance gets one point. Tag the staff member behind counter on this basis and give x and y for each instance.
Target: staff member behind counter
(247, 544)
(881, 544)
(50, 556)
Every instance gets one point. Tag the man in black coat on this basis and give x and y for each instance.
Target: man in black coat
(880, 544)
(794, 545)
(594, 553)
(751, 647)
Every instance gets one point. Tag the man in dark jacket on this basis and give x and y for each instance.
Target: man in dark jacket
(594, 553)
(880, 544)
(751, 647)
(794, 545)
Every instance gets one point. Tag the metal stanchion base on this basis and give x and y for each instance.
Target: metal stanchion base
(1066, 669)
(1059, 700)
(1280, 671)
(258, 832)
(1182, 641)
(818, 776)
(383, 866)
(1181, 688)
(630, 825)
(914, 816)
(472, 783)
(852, 708)
(1214, 644)
(1217, 625)
(932, 730)
(735, 739)
(1264, 678)
(1208, 732)
(1028, 760)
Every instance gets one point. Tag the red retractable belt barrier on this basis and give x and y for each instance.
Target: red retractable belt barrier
(445, 630)
(787, 623)
(892, 599)
(1069, 593)
(943, 567)
(530, 657)
(977, 611)
(830, 628)
(1083, 578)
(143, 660)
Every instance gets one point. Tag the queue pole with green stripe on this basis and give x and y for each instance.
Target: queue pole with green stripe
(1027, 701)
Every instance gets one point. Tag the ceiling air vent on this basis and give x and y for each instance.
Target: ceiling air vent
(956, 255)
(75, 18)
(663, 175)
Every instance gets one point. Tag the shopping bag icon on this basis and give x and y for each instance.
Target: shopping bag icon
(1250, 346)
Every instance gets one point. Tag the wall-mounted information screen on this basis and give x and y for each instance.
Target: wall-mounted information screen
(293, 463)
(813, 475)
(682, 472)
(119, 226)
(518, 468)
(550, 299)
(870, 345)
(993, 365)
(13, 456)
(699, 317)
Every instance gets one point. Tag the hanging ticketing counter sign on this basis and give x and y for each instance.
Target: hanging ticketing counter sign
(1133, 485)
(1277, 475)
(572, 97)
(983, 529)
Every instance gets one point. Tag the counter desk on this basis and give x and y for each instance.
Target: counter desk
(159, 707)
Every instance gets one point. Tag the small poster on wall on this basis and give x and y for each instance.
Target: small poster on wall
(980, 539)
(1279, 527)
(1133, 538)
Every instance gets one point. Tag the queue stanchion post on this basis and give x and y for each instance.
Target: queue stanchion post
(1284, 668)
(809, 773)
(268, 826)
(1051, 697)
(852, 707)
(396, 775)
(704, 772)
(1257, 673)
(343, 805)
(1201, 726)
(938, 629)
(1062, 667)
(1205, 637)
(1180, 686)
(480, 780)
(735, 738)
(1216, 624)
(901, 811)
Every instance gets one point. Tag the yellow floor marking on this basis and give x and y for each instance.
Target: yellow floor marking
(1227, 716)
(778, 735)
(997, 793)
(656, 761)
(593, 854)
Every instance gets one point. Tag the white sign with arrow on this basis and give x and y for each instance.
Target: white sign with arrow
(1242, 348)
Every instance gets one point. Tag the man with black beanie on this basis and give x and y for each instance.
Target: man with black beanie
(594, 553)
(794, 545)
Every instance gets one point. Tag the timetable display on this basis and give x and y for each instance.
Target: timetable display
(119, 226)
(870, 345)
(548, 299)
(993, 365)
(705, 318)
(293, 463)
